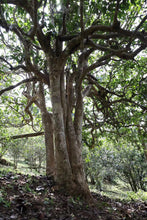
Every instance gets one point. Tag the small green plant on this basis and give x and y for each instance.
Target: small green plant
(46, 201)
(140, 195)
(27, 187)
(72, 200)
(5, 202)
(51, 201)
(1, 198)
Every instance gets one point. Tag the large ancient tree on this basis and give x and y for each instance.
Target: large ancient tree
(62, 44)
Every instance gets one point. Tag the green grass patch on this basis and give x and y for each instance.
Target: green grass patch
(121, 191)
(22, 167)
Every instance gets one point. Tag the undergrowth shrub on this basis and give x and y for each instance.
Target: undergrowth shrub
(108, 163)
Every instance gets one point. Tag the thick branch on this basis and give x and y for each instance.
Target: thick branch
(93, 80)
(116, 23)
(144, 108)
(102, 61)
(74, 44)
(27, 5)
(23, 136)
(16, 85)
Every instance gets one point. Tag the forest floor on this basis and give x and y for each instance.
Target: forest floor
(34, 197)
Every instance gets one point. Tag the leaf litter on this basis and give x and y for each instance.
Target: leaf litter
(24, 197)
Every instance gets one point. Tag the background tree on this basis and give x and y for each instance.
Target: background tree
(110, 162)
(63, 44)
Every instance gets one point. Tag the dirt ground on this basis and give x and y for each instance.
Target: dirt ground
(24, 197)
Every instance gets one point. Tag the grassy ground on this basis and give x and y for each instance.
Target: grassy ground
(121, 191)
(22, 167)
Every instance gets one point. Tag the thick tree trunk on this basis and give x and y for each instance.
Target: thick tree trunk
(76, 162)
(68, 152)
(63, 168)
(74, 142)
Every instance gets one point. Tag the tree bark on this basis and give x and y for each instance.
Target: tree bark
(49, 143)
(63, 168)
(68, 152)
(76, 161)
(48, 133)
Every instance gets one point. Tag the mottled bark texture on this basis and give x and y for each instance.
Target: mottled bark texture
(68, 151)
(48, 133)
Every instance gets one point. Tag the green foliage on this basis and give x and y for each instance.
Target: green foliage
(132, 165)
(34, 153)
(26, 152)
(140, 195)
(15, 149)
(115, 113)
(4, 201)
(107, 163)
(98, 166)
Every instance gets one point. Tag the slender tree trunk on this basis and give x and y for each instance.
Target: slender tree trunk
(142, 133)
(48, 133)
(39, 100)
(144, 145)
(48, 129)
